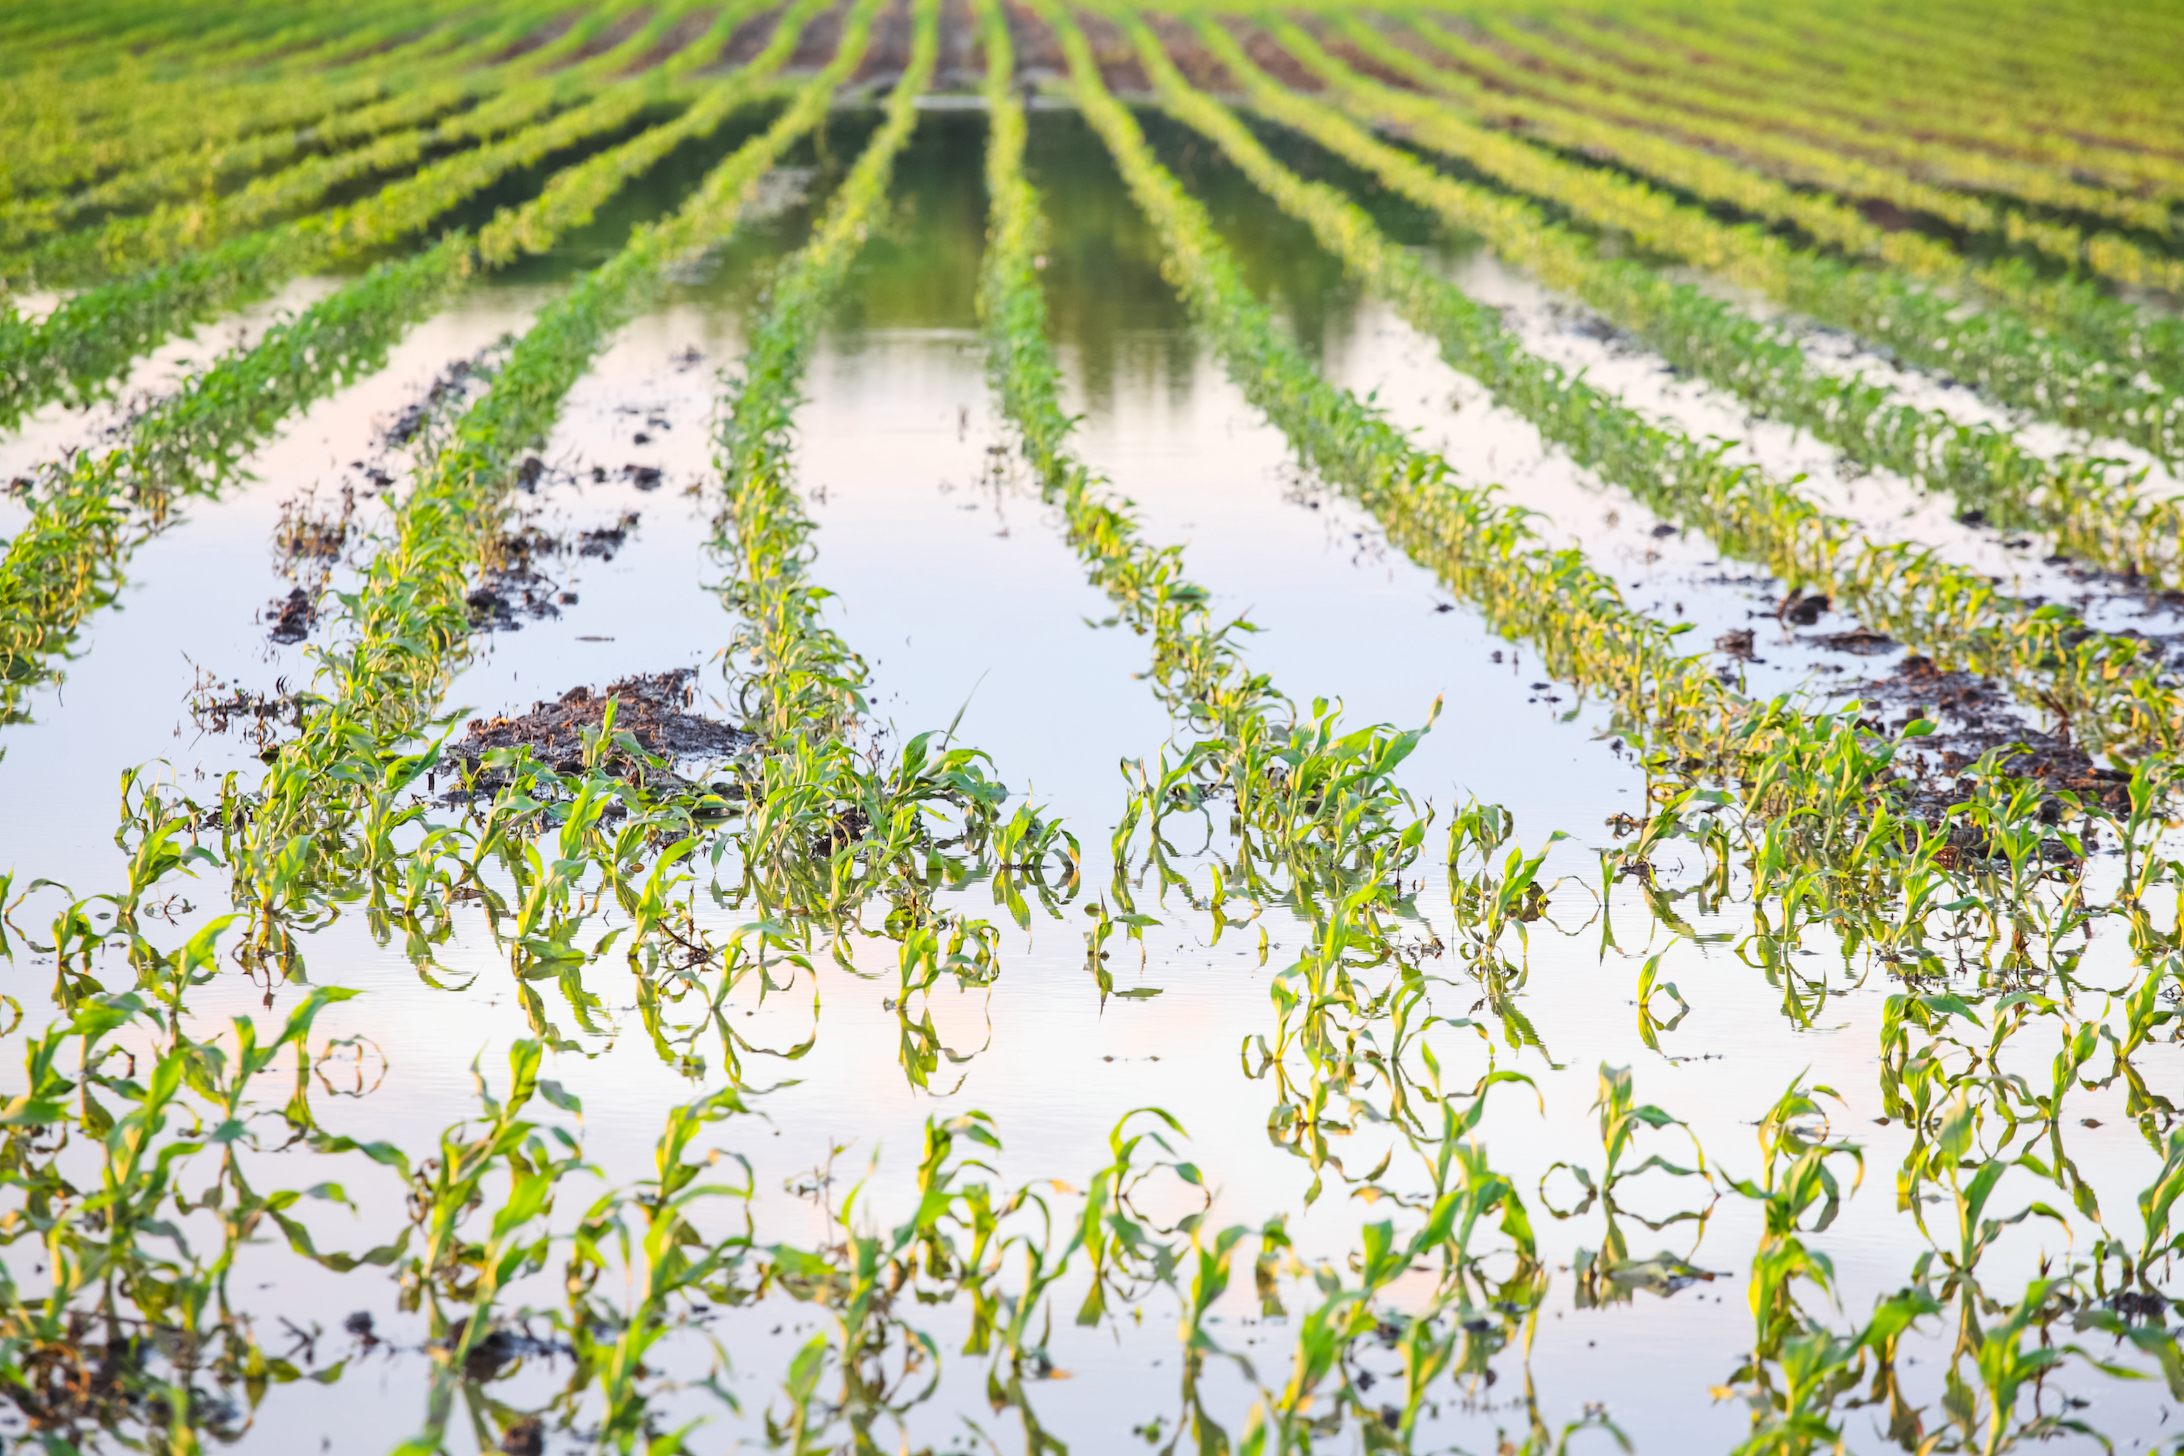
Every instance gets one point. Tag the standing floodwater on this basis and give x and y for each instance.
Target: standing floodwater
(941, 725)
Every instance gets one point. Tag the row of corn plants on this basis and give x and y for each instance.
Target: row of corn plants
(129, 244)
(1779, 758)
(1761, 76)
(117, 122)
(1880, 879)
(408, 625)
(1846, 780)
(823, 831)
(1312, 801)
(2075, 306)
(678, 1241)
(66, 562)
(79, 348)
(1328, 1012)
(1839, 162)
(1781, 876)
(2105, 686)
(2100, 368)
(2113, 101)
(1817, 166)
(324, 827)
(194, 171)
(2094, 508)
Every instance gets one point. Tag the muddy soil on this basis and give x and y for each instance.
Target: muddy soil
(653, 709)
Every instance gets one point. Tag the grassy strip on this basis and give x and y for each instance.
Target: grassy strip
(2092, 507)
(66, 563)
(1891, 67)
(1807, 164)
(2104, 686)
(1998, 348)
(93, 127)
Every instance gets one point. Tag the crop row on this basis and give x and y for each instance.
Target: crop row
(127, 245)
(78, 349)
(1198, 673)
(409, 623)
(66, 562)
(1780, 759)
(324, 823)
(1315, 800)
(2090, 376)
(1868, 870)
(2104, 685)
(1889, 75)
(1811, 148)
(1759, 74)
(160, 164)
(394, 134)
(130, 125)
(1922, 1077)
(2092, 506)
(2100, 70)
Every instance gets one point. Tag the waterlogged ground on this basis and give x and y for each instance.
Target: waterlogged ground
(954, 581)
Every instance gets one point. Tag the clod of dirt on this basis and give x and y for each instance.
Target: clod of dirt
(2133, 1305)
(652, 708)
(301, 534)
(1800, 610)
(490, 1357)
(293, 616)
(644, 477)
(1737, 642)
(606, 540)
(1861, 641)
(449, 388)
(1976, 717)
(516, 587)
(525, 1437)
(218, 708)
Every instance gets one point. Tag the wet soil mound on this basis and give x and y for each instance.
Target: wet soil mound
(1973, 715)
(652, 708)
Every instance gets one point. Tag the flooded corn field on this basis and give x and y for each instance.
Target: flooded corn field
(974, 726)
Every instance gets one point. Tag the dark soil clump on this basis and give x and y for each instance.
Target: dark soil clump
(652, 708)
(1861, 641)
(1974, 717)
(517, 584)
(293, 617)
